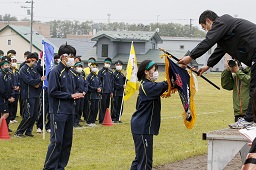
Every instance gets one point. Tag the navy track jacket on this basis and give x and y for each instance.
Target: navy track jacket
(29, 78)
(62, 84)
(146, 119)
(119, 81)
(7, 88)
(93, 82)
(107, 80)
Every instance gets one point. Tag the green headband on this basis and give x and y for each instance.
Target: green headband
(108, 61)
(78, 64)
(91, 61)
(150, 64)
(6, 62)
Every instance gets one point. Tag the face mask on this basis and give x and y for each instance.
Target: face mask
(118, 67)
(58, 61)
(34, 64)
(107, 65)
(70, 62)
(89, 64)
(79, 69)
(155, 76)
(94, 69)
(6, 69)
(14, 65)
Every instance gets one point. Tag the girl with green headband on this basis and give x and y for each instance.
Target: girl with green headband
(145, 121)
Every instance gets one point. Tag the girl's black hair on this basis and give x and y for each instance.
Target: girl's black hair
(142, 68)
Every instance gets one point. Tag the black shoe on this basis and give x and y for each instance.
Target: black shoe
(29, 134)
(9, 130)
(19, 135)
(120, 121)
(115, 121)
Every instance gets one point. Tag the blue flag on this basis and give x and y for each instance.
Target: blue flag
(49, 59)
(182, 80)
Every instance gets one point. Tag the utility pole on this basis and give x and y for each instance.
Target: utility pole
(31, 22)
(157, 20)
(190, 27)
(109, 15)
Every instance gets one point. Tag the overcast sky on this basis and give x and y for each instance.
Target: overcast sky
(130, 11)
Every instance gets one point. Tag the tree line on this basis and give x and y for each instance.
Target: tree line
(60, 28)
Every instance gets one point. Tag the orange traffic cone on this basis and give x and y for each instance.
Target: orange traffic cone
(4, 134)
(107, 119)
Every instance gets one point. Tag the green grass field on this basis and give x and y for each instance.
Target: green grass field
(111, 148)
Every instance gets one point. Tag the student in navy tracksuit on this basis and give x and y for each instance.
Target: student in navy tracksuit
(82, 88)
(6, 91)
(16, 83)
(93, 94)
(106, 77)
(119, 83)
(30, 85)
(145, 121)
(62, 86)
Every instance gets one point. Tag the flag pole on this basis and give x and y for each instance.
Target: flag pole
(120, 113)
(175, 58)
(124, 88)
(43, 58)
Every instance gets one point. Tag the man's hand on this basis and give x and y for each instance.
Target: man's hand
(11, 99)
(202, 70)
(43, 78)
(77, 96)
(98, 90)
(185, 60)
(37, 85)
(16, 88)
(111, 95)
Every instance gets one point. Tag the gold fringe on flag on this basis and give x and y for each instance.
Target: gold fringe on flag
(170, 90)
(190, 124)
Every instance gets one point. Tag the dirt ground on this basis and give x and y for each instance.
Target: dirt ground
(200, 163)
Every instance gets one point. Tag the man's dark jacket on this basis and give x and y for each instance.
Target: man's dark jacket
(234, 36)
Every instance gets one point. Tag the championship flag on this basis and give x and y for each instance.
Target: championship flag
(182, 80)
(131, 74)
(48, 58)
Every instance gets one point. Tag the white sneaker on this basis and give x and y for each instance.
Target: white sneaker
(15, 121)
(11, 121)
(38, 130)
(240, 124)
(93, 124)
(48, 130)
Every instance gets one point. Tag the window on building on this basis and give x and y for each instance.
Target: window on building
(182, 47)
(9, 42)
(104, 50)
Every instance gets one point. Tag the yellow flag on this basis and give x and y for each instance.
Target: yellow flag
(131, 74)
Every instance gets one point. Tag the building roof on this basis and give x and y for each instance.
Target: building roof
(82, 45)
(150, 55)
(24, 32)
(128, 36)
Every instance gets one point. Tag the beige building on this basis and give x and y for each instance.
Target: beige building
(42, 28)
(18, 39)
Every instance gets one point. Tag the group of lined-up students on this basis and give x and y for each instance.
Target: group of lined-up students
(24, 84)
